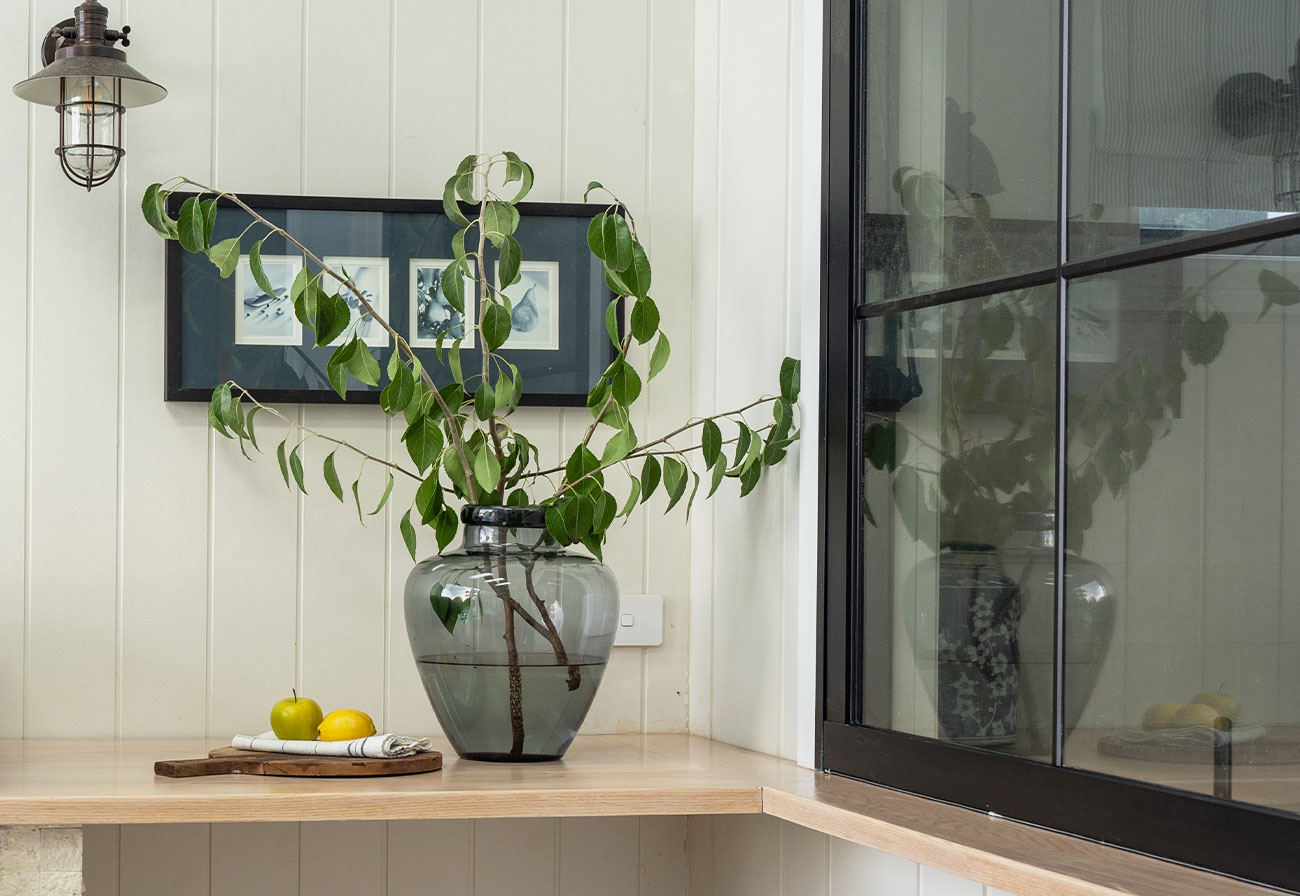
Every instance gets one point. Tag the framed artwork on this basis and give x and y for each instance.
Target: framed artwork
(396, 252)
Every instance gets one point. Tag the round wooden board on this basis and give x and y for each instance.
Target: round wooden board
(1272, 748)
(232, 761)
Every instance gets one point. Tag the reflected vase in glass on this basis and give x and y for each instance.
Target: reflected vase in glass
(511, 635)
(1091, 607)
(977, 646)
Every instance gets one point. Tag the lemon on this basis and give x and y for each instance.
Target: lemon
(346, 724)
(1160, 715)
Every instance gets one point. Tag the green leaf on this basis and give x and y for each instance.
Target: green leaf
(448, 609)
(1276, 289)
(881, 445)
(450, 207)
(611, 321)
(496, 222)
(518, 498)
(649, 477)
(674, 481)
(595, 236)
(487, 469)
(284, 463)
(618, 243)
(428, 499)
(581, 462)
(626, 385)
(295, 467)
(508, 262)
(594, 544)
(190, 226)
(749, 478)
(408, 533)
(424, 442)
(790, 380)
(154, 207)
(333, 315)
(332, 475)
(356, 499)
(711, 442)
(996, 325)
(518, 169)
(504, 391)
(388, 490)
(1203, 339)
(555, 525)
(446, 527)
(362, 364)
(635, 279)
(718, 472)
(633, 495)
(453, 287)
(219, 409)
(496, 326)
(248, 425)
(225, 255)
(208, 207)
(743, 438)
(336, 369)
(645, 320)
(618, 447)
(259, 274)
(400, 390)
(453, 362)
(591, 185)
(659, 357)
(484, 401)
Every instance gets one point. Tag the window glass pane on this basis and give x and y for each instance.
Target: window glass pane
(1184, 118)
(960, 142)
(958, 463)
(1183, 519)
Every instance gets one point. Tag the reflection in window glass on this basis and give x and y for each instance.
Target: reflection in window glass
(1184, 118)
(961, 174)
(1185, 500)
(958, 461)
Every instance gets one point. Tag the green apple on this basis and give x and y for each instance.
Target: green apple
(296, 718)
(1228, 706)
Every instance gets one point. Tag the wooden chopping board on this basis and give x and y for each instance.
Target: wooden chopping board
(232, 761)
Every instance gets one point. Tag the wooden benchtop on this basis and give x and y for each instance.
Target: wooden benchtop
(112, 782)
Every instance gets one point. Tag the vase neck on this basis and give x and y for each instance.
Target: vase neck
(479, 538)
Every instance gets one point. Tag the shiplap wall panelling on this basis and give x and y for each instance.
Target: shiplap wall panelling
(934, 882)
(434, 857)
(164, 860)
(600, 856)
(1288, 698)
(858, 869)
(746, 855)
(435, 93)
(71, 673)
(254, 632)
(343, 858)
(344, 596)
(751, 306)
(668, 229)
(516, 855)
(697, 343)
(17, 61)
(163, 657)
(521, 86)
(605, 96)
(665, 853)
(254, 858)
(805, 861)
(1243, 495)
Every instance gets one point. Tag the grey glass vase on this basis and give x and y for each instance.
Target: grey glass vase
(511, 635)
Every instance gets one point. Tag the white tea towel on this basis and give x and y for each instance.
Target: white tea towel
(377, 746)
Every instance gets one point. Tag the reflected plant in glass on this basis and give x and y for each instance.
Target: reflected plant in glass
(463, 447)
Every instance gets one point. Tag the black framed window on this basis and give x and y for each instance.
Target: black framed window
(1061, 367)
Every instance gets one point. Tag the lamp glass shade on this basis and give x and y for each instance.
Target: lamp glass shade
(90, 129)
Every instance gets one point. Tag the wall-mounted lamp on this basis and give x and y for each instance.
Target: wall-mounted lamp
(87, 81)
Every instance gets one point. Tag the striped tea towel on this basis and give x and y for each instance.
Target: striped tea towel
(377, 746)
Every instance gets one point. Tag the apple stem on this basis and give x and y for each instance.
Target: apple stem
(295, 694)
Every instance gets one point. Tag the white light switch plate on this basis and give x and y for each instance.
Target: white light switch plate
(640, 621)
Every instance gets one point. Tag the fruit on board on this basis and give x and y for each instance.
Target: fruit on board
(1195, 715)
(1228, 706)
(1159, 716)
(346, 724)
(296, 718)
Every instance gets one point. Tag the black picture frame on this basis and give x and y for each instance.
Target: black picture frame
(208, 341)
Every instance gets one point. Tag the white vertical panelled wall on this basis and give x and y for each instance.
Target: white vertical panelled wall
(159, 585)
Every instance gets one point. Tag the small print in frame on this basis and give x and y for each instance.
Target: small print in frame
(432, 316)
(371, 277)
(262, 319)
(535, 307)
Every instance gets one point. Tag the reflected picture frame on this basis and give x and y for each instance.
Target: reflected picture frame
(220, 330)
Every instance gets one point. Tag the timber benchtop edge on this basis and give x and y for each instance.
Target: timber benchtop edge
(49, 782)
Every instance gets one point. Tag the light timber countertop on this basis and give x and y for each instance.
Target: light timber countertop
(112, 782)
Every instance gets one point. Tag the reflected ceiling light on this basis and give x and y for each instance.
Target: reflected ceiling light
(87, 81)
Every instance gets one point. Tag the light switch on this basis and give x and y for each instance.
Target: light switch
(640, 621)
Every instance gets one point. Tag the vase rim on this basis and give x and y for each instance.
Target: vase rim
(514, 516)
